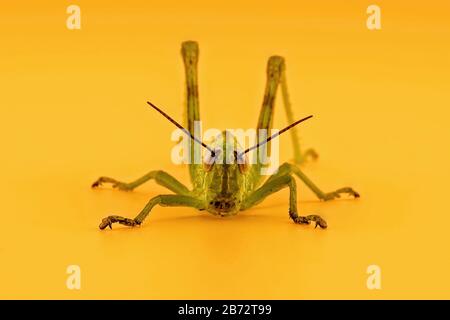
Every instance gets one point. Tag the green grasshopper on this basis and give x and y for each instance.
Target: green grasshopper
(224, 189)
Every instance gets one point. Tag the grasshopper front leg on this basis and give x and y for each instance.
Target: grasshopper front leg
(276, 184)
(166, 200)
(161, 177)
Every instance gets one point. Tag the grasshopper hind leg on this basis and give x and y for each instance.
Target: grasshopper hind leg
(299, 156)
(276, 76)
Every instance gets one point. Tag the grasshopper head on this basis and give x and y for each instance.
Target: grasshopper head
(225, 176)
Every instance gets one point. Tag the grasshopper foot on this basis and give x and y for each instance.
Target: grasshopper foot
(307, 220)
(337, 194)
(115, 184)
(308, 155)
(108, 221)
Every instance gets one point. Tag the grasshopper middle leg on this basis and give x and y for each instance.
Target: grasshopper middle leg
(276, 184)
(161, 177)
(288, 168)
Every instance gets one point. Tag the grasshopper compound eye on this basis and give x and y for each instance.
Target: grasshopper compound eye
(211, 159)
(241, 161)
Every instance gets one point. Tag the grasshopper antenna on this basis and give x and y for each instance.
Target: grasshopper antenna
(275, 135)
(179, 126)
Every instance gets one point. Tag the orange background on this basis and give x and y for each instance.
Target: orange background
(73, 108)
